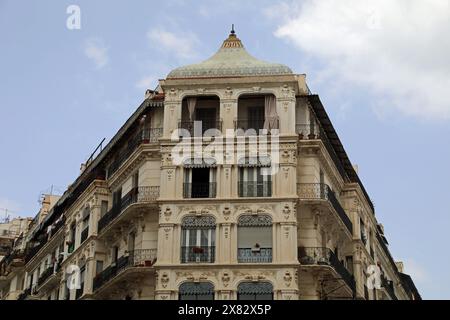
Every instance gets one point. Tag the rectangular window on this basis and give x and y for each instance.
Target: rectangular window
(253, 183)
(199, 183)
(198, 245)
(254, 244)
(103, 208)
(98, 267)
(117, 197)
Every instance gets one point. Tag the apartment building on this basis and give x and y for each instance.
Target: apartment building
(229, 181)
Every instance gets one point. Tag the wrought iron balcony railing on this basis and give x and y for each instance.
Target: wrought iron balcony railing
(199, 190)
(387, 252)
(321, 191)
(250, 125)
(32, 251)
(79, 291)
(312, 131)
(204, 254)
(45, 275)
(255, 189)
(325, 256)
(254, 255)
(134, 259)
(388, 285)
(136, 195)
(199, 127)
(24, 294)
(142, 137)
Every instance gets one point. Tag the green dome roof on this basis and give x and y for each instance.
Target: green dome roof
(232, 60)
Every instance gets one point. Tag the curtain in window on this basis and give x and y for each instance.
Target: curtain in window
(191, 102)
(270, 113)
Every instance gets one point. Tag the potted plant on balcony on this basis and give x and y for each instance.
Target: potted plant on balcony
(197, 250)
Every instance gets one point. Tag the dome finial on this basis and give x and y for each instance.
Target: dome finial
(232, 29)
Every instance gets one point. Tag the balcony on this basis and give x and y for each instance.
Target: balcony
(199, 190)
(137, 195)
(322, 192)
(138, 260)
(144, 136)
(45, 275)
(253, 126)
(24, 294)
(252, 255)
(31, 252)
(202, 254)
(388, 285)
(199, 127)
(255, 189)
(324, 257)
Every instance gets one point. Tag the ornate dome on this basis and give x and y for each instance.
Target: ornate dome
(230, 61)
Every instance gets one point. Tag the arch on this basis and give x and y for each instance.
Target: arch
(196, 94)
(250, 92)
(196, 222)
(196, 291)
(250, 220)
(249, 290)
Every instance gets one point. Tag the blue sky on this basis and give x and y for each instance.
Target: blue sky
(381, 69)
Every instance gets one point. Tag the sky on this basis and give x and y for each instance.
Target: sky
(380, 67)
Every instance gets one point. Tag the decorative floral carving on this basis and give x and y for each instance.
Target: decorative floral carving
(164, 280)
(286, 172)
(225, 279)
(226, 213)
(167, 231)
(255, 221)
(169, 174)
(287, 278)
(228, 93)
(167, 213)
(286, 211)
(226, 232)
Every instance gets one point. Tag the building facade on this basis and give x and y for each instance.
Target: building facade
(228, 182)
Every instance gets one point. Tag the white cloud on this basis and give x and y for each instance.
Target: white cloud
(96, 51)
(416, 271)
(182, 45)
(147, 82)
(397, 49)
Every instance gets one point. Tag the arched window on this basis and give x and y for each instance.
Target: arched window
(255, 291)
(196, 291)
(255, 238)
(198, 239)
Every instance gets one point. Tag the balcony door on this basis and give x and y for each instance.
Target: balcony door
(255, 116)
(252, 183)
(198, 239)
(254, 239)
(207, 116)
(199, 183)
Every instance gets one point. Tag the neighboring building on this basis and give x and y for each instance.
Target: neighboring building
(12, 233)
(12, 263)
(136, 224)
